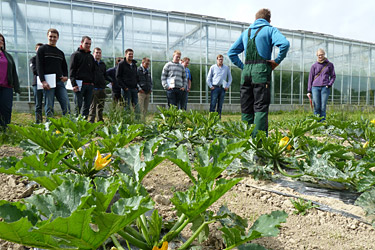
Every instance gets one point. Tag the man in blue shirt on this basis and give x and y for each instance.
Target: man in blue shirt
(219, 79)
(257, 42)
(185, 62)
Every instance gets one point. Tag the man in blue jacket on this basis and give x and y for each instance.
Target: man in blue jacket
(257, 42)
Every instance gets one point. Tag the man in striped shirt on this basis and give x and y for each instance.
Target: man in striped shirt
(174, 81)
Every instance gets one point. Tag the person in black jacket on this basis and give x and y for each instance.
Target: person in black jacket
(116, 89)
(98, 100)
(82, 70)
(127, 78)
(144, 86)
(38, 93)
(51, 61)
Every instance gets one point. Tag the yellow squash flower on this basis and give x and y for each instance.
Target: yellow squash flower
(365, 145)
(80, 151)
(285, 141)
(58, 132)
(163, 247)
(100, 162)
(189, 129)
(373, 121)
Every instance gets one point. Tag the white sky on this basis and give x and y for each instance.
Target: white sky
(342, 18)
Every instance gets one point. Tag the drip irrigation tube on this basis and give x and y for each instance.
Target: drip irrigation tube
(321, 207)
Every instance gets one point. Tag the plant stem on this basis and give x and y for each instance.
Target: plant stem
(71, 166)
(134, 233)
(175, 231)
(117, 244)
(143, 226)
(127, 243)
(195, 235)
(285, 173)
(237, 244)
(133, 240)
(178, 223)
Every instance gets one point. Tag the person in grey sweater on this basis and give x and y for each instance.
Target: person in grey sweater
(174, 81)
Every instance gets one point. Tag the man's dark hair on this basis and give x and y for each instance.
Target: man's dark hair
(118, 59)
(85, 37)
(128, 50)
(263, 13)
(4, 47)
(52, 30)
(38, 45)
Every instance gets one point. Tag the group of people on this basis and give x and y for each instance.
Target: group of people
(88, 76)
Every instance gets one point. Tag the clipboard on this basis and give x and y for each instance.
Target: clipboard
(50, 79)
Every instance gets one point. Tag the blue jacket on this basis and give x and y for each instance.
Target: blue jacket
(267, 38)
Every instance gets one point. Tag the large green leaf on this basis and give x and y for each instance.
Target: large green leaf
(66, 198)
(201, 196)
(103, 193)
(119, 136)
(44, 162)
(268, 224)
(46, 179)
(367, 202)
(74, 125)
(131, 157)
(265, 225)
(46, 139)
(214, 158)
(20, 232)
(69, 224)
(180, 157)
(8, 165)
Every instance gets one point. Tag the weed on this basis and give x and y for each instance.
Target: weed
(302, 206)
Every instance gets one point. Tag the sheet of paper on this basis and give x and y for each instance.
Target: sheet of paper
(171, 83)
(50, 79)
(79, 83)
(68, 85)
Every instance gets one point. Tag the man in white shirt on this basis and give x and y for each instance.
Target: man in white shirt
(218, 80)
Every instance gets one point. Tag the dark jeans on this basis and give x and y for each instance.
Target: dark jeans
(6, 103)
(186, 99)
(62, 97)
(83, 97)
(320, 97)
(176, 97)
(116, 93)
(130, 95)
(38, 99)
(97, 105)
(217, 99)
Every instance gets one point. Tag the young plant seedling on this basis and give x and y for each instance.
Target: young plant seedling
(302, 206)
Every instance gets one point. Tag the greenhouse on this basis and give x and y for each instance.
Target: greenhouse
(156, 34)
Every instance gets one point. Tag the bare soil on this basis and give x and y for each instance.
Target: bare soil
(250, 199)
